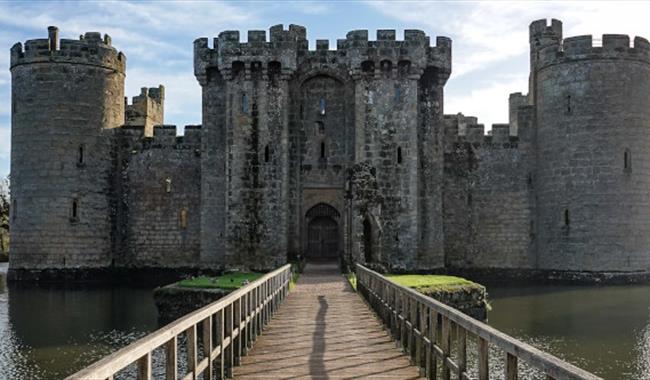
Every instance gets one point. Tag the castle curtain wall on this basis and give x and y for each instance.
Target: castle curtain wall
(160, 213)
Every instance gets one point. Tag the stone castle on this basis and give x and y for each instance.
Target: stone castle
(331, 153)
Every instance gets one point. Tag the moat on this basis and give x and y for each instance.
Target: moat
(49, 332)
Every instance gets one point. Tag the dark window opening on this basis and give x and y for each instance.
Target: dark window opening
(399, 155)
(238, 69)
(368, 67)
(267, 154)
(566, 218)
(404, 67)
(320, 127)
(568, 104)
(627, 160)
(244, 103)
(322, 149)
(275, 68)
(302, 112)
(398, 93)
(74, 212)
(81, 158)
(321, 106)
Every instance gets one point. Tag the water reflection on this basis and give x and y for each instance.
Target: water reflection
(50, 332)
(602, 329)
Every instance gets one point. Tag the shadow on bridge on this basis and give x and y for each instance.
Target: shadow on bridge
(316, 363)
(324, 331)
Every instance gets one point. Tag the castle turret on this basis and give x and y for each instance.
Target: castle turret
(543, 39)
(146, 109)
(593, 124)
(66, 96)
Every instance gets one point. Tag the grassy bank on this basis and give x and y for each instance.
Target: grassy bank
(233, 280)
(429, 283)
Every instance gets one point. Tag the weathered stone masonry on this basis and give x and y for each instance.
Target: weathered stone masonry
(331, 153)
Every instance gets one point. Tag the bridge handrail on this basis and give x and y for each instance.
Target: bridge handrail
(234, 321)
(412, 318)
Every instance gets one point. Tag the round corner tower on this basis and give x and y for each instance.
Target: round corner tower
(593, 138)
(66, 96)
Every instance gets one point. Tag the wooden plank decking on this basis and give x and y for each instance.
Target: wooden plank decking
(324, 331)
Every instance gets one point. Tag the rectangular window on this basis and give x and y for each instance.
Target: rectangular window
(74, 211)
(321, 106)
(244, 103)
(183, 219)
(81, 155)
(567, 221)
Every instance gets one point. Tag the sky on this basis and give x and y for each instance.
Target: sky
(489, 49)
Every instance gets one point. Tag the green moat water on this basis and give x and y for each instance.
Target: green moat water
(48, 333)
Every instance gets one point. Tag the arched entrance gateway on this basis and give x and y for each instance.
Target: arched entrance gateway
(323, 237)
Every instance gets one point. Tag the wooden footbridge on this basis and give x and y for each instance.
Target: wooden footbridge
(323, 329)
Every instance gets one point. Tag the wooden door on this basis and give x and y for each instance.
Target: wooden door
(323, 238)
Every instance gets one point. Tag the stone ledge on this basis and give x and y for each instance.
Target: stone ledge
(173, 301)
(105, 275)
(490, 276)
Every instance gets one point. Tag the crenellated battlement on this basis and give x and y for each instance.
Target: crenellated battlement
(90, 49)
(147, 109)
(549, 48)
(164, 137)
(466, 129)
(286, 50)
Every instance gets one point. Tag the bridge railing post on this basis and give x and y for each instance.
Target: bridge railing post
(228, 327)
(220, 322)
(207, 345)
(171, 354)
(423, 328)
(237, 327)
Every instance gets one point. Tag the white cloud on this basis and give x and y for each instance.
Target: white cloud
(311, 8)
(182, 93)
(487, 36)
(489, 102)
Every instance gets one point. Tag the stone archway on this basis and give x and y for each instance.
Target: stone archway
(323, 235)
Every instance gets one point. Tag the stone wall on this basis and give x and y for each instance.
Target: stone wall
(593, 114)
(159, 216)
(67, 95)
(277, 93)
(358, 129)
(488, 202)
